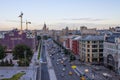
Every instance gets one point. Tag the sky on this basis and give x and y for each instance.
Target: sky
(58, 14)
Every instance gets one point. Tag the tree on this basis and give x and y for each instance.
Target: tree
(19, 52)
(66, 51)
(45, 37)
(72, 58)
(2, 63)
(2, 52)
(38, 38)
(23, 62)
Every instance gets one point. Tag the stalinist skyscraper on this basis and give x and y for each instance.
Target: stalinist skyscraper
(44, 27)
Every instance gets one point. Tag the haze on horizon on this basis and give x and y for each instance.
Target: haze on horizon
(58, 14)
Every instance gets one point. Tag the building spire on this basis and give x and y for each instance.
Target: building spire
(44, 27)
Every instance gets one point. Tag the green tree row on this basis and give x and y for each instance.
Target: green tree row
(2, 51)
(66, 52)
(23, 53)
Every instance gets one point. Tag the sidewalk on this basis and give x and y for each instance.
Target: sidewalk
(50, 67)
(32, 69)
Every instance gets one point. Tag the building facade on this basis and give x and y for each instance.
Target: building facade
(14, 37)
(84, 31)
(75, 45)
(112, 52)
(91, 49)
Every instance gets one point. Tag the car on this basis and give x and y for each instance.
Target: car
(41, 60)
(63, 69)
(61, 62)
(57, 63)
(62, 74)
(64, 65)
(70, 73)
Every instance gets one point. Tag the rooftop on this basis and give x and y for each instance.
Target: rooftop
(111, 38)
(93, 38)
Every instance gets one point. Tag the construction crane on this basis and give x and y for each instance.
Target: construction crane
(27, 22)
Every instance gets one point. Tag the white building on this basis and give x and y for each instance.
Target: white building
(112, 52)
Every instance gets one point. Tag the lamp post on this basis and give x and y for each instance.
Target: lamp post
(93, 74)
(27, 24)
(25, 56)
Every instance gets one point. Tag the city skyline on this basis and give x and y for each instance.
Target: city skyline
(59, 14)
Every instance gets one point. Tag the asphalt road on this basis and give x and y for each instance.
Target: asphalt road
(58, 66)
(44, 68)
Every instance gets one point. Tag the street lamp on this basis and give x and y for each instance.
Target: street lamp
(25, 57)
(27, 24)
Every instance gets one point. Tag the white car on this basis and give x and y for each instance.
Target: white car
(41, 60)
(63, 69)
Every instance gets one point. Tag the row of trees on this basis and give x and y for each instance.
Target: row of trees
(21, 52)
(2, 51)
(66, 52)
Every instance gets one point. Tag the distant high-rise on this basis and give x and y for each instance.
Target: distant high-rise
(44, 27)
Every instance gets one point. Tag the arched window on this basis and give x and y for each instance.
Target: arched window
(110, 60)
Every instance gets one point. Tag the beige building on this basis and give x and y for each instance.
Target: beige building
(84, 31)
(91, 49)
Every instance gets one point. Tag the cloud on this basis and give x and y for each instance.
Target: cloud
(85, 19)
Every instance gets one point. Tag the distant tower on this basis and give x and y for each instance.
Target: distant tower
(66, 31)
(44, 27)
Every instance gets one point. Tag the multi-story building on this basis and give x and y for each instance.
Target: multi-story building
(91, 48)
(14, 37)
(112, 52)
(84, 31)
(69, 40)
(75, 45)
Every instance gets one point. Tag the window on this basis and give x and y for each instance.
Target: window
(94, 59)
(100, 46)
(100, 41)
(94, 55)
(88, 50)
(88, 60)
(88, 55)
(101, 60)
(83, 49)
(100, 50)
(88, 42)
(94, 41)
(94, 46)
(88, 46)
(83, 45)
(100, 55)
(94, 50)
